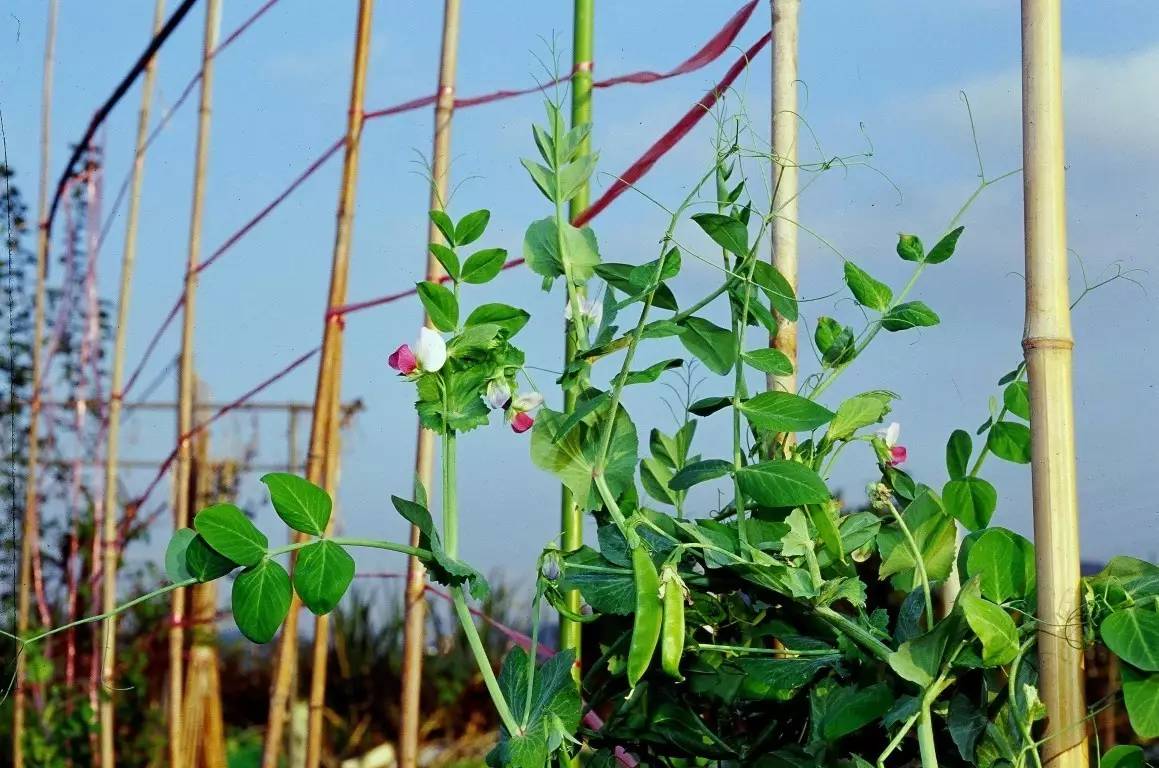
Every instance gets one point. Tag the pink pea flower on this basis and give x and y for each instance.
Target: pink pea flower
(498, 394)
(890, 435)
(519, 411)
(428, 356)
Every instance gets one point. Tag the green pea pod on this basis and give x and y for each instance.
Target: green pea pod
(649, 615)
(672, 637)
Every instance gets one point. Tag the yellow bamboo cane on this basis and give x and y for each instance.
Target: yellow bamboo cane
(30, 525)
(112, 448)
(415, 624)
(1048, 345)
(185, 391)
(785, 182)
(323, 429)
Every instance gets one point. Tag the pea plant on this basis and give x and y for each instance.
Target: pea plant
(782, 629)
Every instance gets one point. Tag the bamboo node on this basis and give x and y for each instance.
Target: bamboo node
(584, 66)
(1046, 342)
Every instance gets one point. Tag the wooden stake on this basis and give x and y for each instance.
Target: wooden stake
(30, 525)
(571, 516)
(415, 622)
(1048, 346)
(785, 185)
(112, 446)
(185, 398)
(323, 429)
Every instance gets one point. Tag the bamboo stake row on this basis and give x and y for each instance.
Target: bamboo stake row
(30, 524)
(186, 379)
(1048, 348)
(785, 15)
(321, 458)
(415, 594)
(112, 446)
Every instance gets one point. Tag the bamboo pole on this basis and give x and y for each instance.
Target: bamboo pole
(112, 446)
(1048, 347)
(785, 183)
(572, 519)
(328, 389)
(415, 593)
(186, 394)
(30, 525)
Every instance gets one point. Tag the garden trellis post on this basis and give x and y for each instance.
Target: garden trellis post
(323, 429)
(415, 595)
(784, 173)
(185, 391)
(583, 35)
(113, 416)
(30, 525)
(1048, 347)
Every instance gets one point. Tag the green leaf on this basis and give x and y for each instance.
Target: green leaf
(443, 568)
(551, 702)
(776, 411)
(777, 288)
(768, 360)
(226, 528)
(584, 407)
(302, 505)
(1123, 756)
(574, 175)
(934, 533)
(1141, 695)
(441, 305)
(204, 563)
(541, 250)
(993, 626)
(175, 566)
(1125, 581)
(945, 247)
(1003, 561)
(484, 265)
(447, 258)
(604, 588)
(909, 247)
(652, 372)
(712, 345)
(857, 412)
(543, 177)
(726, 231)
(1132, 634)
(782, 483)
(655, 476)
(868, 292)
(920, 659)
(572, 459)
(1016, 398)
(958, 450)
(850, 709)
(700, 472)
(261, 600)
(834, 341)
(966, 723)
(443, 222)
(509, 318)
(765, 679)
(912, 314)
(1010, 440)
(971, 501)
(706, 406)
(471, 227)
(322, 575)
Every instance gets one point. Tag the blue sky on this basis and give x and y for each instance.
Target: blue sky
(891, 71)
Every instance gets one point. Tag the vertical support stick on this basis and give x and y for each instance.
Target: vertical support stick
(1048, 346)
(185, 391)
(415, 623)
(323, 429)
(572, 520)
(113, 416)
(30, 525)
(784, 173)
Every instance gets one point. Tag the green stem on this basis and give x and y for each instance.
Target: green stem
(450, 506)
(919, 563)
(115, 612)
(484, 663)
(422, 554)
(929, 752)
(786, 652)
(906, 727)
(855, 632)
(533, 651)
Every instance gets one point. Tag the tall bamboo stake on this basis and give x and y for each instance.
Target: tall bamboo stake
(186, 394)
(30, 525)
(323, 429)
(415, 624)
(572, 519)
(1048, 347)
(112, 446)
(785, 184)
